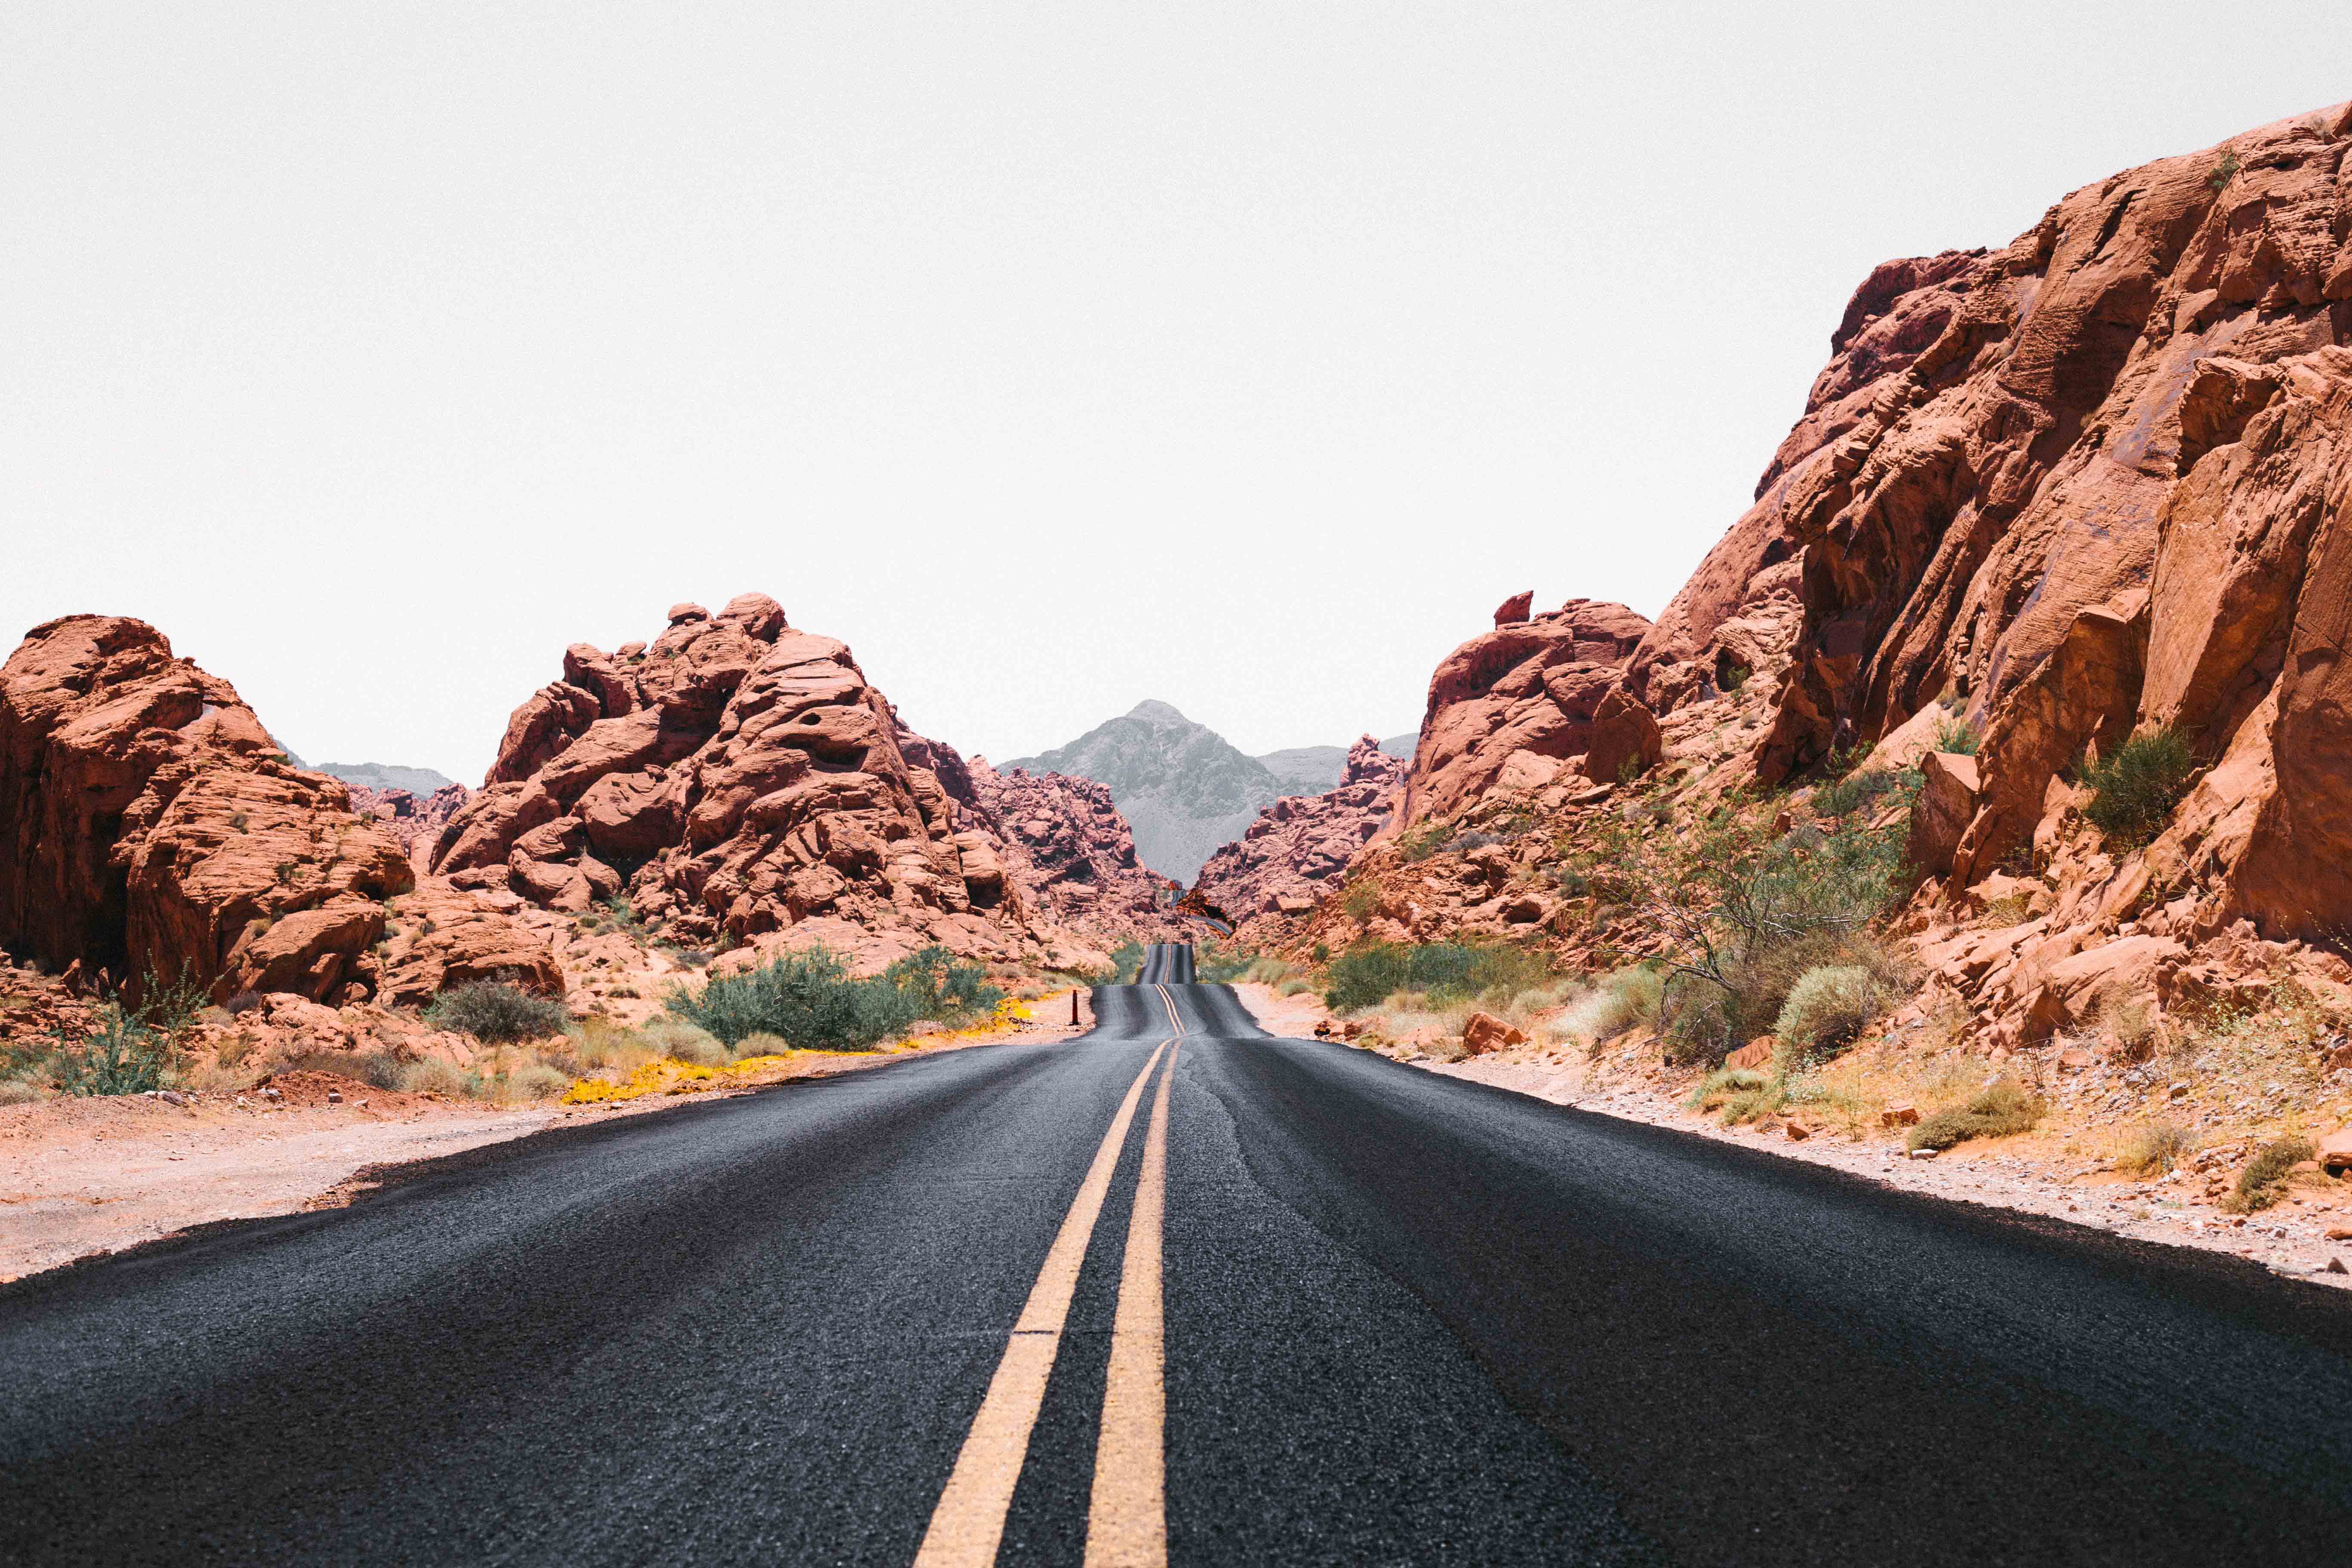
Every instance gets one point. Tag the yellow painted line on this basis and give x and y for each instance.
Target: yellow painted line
(1127, 1523)
(969, 1521)
(1169, 1003)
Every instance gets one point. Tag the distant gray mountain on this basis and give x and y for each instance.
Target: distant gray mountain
(383, 775)
(1181, 786)
(1401, 746)
(1307, 769)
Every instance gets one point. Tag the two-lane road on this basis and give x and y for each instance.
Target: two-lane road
(1173, 1290)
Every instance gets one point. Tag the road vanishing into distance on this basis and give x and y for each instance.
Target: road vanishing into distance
(1172, 1291)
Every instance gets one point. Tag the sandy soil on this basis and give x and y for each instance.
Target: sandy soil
(2302, 1235)
(80, 1177)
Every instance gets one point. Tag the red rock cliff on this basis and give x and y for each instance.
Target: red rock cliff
(1298, 846)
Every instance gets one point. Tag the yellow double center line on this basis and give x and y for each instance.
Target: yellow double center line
(1126, 1518)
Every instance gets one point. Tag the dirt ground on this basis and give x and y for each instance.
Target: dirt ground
(2302, 1235)
(85, 1176)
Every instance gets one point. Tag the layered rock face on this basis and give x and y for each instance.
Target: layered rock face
(1294, 852)
(2093, 483)
(1067, 849)
(149, 826)
(1508, 710)
(735, 776)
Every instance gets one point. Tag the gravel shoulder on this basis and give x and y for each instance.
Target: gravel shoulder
(2308, 1236)
(83, 1177)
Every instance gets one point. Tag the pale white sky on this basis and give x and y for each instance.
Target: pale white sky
(1241, 355)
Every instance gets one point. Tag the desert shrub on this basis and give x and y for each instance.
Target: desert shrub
(1359, 904)
(1859, 792)
(2224, 172)
(1732, 676)
(941, 987)
(1320, 952)
(2156, 1146)
(495, 1011)
(1365, 973)
(1445, 972)
(2137, 787)
(437, 1075)
(1742, 1094)
(243, 1002)
(810, 998)
(685, 1041)
(1748, 913)
(534, 1081)
(1427, 841)
(1293, 986)
(1269, 971)
(2263, 1181)
(1127, 962)
(602, 1043)
(1957, 736)
(1214, 964)
(760, 1045)
(124, 1055)
(2004, 1107)
(1627, 999)
(19, 1088)
(1827, 1008)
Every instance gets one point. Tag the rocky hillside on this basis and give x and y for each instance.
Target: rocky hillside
(1283, 864)
(2065, 526)
(1068, 848)
(737, 780)
(151, 829)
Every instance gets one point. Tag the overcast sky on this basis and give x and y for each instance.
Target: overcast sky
(1055, 357)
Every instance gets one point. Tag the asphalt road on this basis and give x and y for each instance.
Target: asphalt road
(1174, 1286)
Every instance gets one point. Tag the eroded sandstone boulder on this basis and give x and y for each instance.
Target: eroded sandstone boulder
(149, 826)
(739, 779)
(1533, 687)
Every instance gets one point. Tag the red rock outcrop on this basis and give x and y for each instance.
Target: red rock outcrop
(1298, 846)
(1523, 697)
(739, 778)
(415, 825)
(2093, 484)
(148, 826)
(1068, 850)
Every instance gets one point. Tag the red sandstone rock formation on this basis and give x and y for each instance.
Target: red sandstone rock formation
(738, 777)
(1069, 851)
(1298, 846)
(1508, 707)
(2093, 484)
(149, 826)
(412, 824)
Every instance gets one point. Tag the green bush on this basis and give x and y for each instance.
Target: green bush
(1215, 964)
(1420, 845)
(2137, 787)
(124, 1055)
(1127, 962)
(1957, 736)
(1447, 972)
(941, 987)
(810, 998)
(1365, 973)
(2263, 1181)
(496, 1012)
(1827, 1008)
(2006, 1106)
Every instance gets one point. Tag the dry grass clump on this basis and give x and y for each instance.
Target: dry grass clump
(2005, 1106)
(1827, 1009)
(2263, 1181)
(1625, 1000)
(435, 1075)
(2155, 1147)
